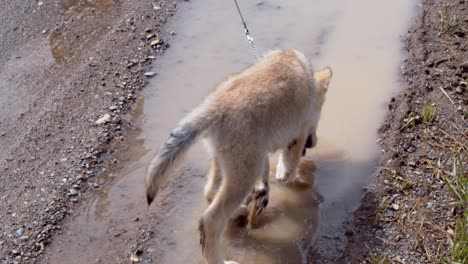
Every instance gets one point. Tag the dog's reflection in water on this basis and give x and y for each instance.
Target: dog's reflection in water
(284, 229)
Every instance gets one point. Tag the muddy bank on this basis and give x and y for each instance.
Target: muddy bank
(408, 214)
(69, 74)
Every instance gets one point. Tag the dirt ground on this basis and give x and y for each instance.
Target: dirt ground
(89, 62)
(407, 214)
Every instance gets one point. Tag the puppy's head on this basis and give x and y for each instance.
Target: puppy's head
(322, 81)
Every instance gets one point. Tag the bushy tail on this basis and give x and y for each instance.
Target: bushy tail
(180, 140)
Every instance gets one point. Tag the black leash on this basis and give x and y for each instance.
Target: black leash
(247, 34)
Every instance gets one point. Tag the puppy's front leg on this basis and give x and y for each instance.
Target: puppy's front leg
(289, 159)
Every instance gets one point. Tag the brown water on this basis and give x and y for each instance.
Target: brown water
(360, 39)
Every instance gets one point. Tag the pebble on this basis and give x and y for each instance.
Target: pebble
(155, 7)
(121, 99)
(20, 231)
(134, 258)
(395, 207)
(149, 74)
(155, 42)
(459, 90)
(72, 192)
(431, 156)
(462, 84)
(104, 119)
(24, 238)
(40, 3)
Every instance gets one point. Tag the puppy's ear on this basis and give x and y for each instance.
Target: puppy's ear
(323, 77)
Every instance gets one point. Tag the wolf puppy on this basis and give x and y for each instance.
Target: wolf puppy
(273, 105)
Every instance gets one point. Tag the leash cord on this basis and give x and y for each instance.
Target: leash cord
(247, 34)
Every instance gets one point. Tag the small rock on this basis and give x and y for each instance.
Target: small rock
(19, 231)
(113, 107)
(44, 31)
(40, 3)
(411, 149)
(459, 90)
(157, 8)
(24, 238)
(156, 42)
(173, 33)
(72, 192)
(431, 156)
(259, 3)
(395, 207)
(121, 99)
(462, 84)
(134, 258)
(450, 232)
(149, 74)
(104, 119)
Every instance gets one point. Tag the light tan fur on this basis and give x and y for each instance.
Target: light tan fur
(273, 105)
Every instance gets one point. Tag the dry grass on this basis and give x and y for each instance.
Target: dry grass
(457, 182)
(448, 22)
(376, 258)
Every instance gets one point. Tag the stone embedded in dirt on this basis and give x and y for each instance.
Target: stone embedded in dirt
(19, 231)
(149, 74)
(431, 156)
(135, 256)
(173, 33)
(156, 42)
(157, 8)
(72, 192)
(411, 149)
(462, 84)
(113, 107)
(104, 119)
(40, 3)
(459, 90)
(24, 238)
(395, 207)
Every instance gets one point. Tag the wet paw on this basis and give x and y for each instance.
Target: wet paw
(258, 198)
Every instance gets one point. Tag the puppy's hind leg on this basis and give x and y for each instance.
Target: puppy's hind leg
(214, 180)
(258, 198)
(240, 176)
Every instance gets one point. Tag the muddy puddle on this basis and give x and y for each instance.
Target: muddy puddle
(361, 40)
